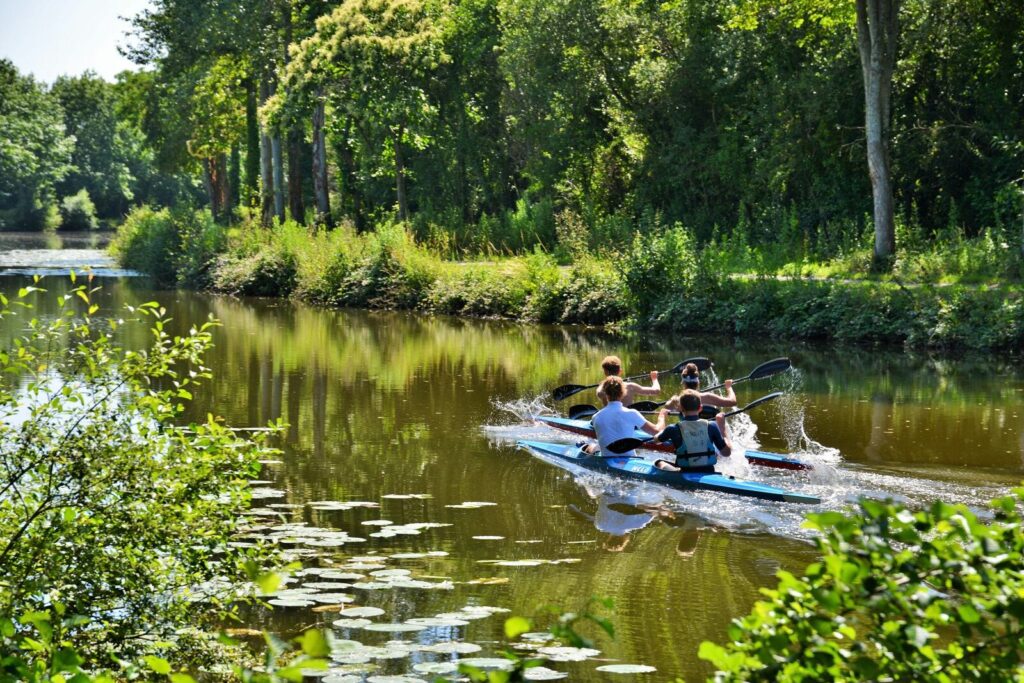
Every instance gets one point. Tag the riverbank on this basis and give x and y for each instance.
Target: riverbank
(662, 281)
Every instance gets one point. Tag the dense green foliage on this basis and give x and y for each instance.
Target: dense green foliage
(115, 522)
(663, 281)
(467, 115)
(77, 212)
(901, 595)
(35, 151)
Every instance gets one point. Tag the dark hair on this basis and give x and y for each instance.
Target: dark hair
(691, 375)
(611, 365)
(613, 388)
(689, 401)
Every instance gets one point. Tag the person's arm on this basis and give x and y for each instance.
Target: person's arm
(653, 390)
(725, 447)
(655, 429)
(601, 395)
(709, 398)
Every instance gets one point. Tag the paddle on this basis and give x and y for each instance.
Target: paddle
(767, 369)
(567, 390)
(578, 412)
(630, 443)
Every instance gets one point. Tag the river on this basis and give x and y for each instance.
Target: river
(402, 436)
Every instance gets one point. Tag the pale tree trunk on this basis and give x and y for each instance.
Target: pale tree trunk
(877, 37)
(323, 204)
(278, 176)
(403, 205)
(266, 162)
(296, 207)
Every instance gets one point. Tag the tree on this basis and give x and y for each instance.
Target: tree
(35, 151)
(378, 56)
(100, 162)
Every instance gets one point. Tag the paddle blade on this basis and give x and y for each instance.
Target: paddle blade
(566, 390)
(647, 406)
(753, 403)
(581, 411)
(770, 368)
(625, 445)
(701, 363)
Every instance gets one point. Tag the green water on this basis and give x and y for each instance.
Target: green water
(384, 404)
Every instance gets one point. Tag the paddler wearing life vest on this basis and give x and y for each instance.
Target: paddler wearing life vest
(615, 421)
(694, 439)
(612, 367)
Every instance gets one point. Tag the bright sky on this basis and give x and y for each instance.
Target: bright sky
(49, 38)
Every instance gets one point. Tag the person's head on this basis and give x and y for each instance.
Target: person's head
(614, 388)
(689, 402)
(611, 365)
(691, 376)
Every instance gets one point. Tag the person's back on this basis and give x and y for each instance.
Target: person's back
(612, 367)
(615, 421)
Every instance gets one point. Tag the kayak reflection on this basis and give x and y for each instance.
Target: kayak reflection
(619, 515)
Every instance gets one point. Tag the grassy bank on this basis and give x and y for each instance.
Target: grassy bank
(662, 281)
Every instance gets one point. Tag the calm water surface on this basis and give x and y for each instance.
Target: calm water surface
(385, 406)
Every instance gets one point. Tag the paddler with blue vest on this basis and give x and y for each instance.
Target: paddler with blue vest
(615, 421)
(693, 438)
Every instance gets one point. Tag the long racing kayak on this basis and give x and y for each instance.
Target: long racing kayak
(762, 458)
(638, 468)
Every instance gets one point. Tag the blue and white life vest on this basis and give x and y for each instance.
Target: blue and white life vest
(697, 449)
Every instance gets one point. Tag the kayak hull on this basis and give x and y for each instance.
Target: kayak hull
(638, 468)
(761, 458)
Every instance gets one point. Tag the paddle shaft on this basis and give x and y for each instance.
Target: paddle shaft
(567, 390)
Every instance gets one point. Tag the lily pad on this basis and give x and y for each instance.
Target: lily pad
(542, 673)
(437, 621)
(453, 647)
(394, 679)
(350, 623)
(488, 538)
(377, 522)
(627, 669)
(568, 654)
(435, 668)
(394, 628)
(290, 602)
(332, 598)
(385, 573)
(488, 663)
(362, 612)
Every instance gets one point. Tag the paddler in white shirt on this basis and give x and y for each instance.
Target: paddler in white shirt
(612, 367)
(615, 421)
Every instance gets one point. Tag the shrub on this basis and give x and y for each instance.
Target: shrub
(112, 514)
(77, 212)
(147, 242)
(899, 595)
(393, 272)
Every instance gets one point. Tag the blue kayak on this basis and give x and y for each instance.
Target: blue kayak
(762, 458)
(638, 468)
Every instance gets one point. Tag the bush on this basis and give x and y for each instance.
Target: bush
(112, 514)
(932, 595)
(147, 242)
(77, 212)
(175, 247)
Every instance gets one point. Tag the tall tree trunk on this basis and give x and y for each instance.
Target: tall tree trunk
(877, 38)
(278, 176)
(266, 162)
(252, 145)
(403, 205)
(323, 203)
(296, 207)
(223, 187)
(234, 179)
(210, 183)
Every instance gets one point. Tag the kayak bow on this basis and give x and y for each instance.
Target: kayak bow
(638, 468)
(762, 458)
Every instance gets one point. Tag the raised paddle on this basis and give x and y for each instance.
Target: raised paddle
(755, 402)
(567, 390)
(767, 369)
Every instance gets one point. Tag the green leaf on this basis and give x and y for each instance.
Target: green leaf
(314, 643)
(182, 678)
(516, 626)
(157, 664)
(968, 613)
